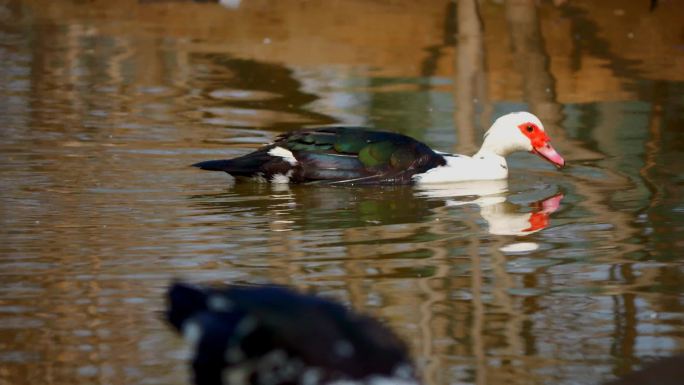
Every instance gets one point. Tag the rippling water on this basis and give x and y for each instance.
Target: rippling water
(567, 277)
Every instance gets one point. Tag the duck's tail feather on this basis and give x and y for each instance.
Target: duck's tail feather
(215, 165)
(246, 165)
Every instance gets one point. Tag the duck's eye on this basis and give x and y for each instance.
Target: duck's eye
(529, 128)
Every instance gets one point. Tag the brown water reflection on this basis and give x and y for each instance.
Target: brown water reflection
(104, 104)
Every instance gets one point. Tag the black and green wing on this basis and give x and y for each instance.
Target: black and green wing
(358, 155)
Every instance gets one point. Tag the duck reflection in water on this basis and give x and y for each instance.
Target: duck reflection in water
(330, 207)
(502, 216)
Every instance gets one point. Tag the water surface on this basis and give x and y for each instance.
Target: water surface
(568, 277)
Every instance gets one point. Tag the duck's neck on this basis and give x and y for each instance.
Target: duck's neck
(493, 144)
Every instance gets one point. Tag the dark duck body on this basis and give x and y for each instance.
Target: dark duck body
(273, 335)
(334, 154)
(356, 155)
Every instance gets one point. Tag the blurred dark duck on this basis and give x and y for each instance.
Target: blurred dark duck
(272, 335)
(360, 156)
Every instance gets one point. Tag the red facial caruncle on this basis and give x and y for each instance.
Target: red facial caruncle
(537, 136)
(540, 144)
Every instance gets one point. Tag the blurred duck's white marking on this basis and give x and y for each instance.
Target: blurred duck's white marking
(281, 178)
(344, 348)
(259, 178)
(246, 326)
(237, 375)
(311, 376)
(192, 332)
(283, 153)
(219, 303)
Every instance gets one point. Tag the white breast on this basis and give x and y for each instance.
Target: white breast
(462, 168)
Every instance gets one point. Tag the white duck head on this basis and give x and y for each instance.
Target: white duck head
(520, 131)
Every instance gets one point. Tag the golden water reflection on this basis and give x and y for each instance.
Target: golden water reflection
(555, 277)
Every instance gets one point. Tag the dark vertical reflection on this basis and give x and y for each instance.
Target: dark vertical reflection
(435, 52)
(625, 319)
(478, 313)
(532, 62)
(662, 171)
(587, 41)
(530, 306)
(471, 80)
(653, 145)
(411, 112)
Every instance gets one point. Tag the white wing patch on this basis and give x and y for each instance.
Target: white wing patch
(283, 153)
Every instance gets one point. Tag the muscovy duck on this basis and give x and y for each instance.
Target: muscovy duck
(356, 155)
(274, 335)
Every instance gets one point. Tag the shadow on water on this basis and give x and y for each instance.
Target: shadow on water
(587, 40)
(229, 81)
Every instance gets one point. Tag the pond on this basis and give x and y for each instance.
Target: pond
(553, 277)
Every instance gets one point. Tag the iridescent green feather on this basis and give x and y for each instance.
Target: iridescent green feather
(350, 143)
(377, 154)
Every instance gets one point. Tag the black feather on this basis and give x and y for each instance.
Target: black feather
(275, 334)
(184, 302)
(215, 165)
